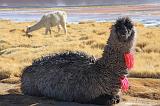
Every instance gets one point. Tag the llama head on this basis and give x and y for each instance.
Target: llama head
(124, 29)
(28, 30)
(122, 33)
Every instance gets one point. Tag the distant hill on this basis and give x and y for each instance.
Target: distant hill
(55, 3)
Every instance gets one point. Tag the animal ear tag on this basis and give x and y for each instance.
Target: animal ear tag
(129, 60)
(124, 83)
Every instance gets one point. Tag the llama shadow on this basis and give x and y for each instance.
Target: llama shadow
(27, 35)
(24, 100)
(58, 35)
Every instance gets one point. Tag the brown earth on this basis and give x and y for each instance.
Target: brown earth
(142, 92)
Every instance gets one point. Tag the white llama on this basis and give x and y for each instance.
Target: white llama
(57, 18)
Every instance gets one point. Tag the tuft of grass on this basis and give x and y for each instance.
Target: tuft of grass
(84, 38)
(12, 80)
(141, 45)
(90, 42)
(144, 88)
(98, 46)
(144, 74)
(4, 74)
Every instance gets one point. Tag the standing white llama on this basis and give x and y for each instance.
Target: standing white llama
(56, 18)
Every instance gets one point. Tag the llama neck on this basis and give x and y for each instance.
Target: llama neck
(112, 60)
(113, 57)
(108, 68)
(38, 25)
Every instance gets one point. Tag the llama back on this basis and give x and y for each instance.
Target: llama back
(68, 56)
(62, 15)
(62, 76)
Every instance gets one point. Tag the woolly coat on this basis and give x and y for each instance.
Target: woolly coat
(76, 76)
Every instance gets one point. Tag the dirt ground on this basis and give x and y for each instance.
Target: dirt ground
(10, 95)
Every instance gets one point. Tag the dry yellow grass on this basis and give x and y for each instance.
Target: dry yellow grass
(144, 88)
(18, 50)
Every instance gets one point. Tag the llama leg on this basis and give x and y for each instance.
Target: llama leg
(116, 99)
(28, 86)
(63, 24)
(107, 100)
(46, 32)
(48, 26)
(50, 31)
(59, 28)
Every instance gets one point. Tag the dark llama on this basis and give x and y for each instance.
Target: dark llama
(78, 77)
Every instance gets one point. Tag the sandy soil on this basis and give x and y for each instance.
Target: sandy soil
(10, 95)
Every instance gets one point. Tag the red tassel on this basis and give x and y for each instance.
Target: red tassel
(129, 60)
(124, 83)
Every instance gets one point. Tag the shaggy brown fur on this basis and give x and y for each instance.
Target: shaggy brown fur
(77, 77)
